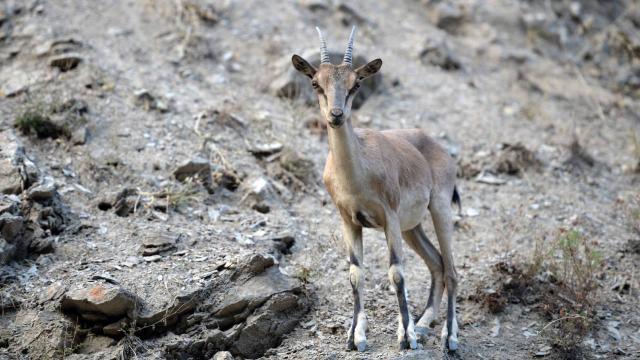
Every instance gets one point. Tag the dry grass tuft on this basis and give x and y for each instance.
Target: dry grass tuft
(559, 282)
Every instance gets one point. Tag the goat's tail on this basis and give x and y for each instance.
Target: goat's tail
(456, 199)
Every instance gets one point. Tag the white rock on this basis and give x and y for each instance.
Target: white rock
(471, 212)
(223, 355)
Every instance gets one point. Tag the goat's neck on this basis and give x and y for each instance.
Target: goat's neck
(345, 150)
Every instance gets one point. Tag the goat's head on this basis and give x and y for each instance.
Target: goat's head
(336, 85)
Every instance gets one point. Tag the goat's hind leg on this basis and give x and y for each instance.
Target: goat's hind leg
(440, 210)
(356, 338)
(418, 241)
(406, 332)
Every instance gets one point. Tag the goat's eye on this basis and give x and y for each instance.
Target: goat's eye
(355, 88)
(314, 84)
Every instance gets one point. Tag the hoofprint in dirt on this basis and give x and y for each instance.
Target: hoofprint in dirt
(187, 86)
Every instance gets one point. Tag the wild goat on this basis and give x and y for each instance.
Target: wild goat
(386, 180)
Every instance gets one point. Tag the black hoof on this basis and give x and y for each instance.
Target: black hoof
(350, 345)
(404, 344)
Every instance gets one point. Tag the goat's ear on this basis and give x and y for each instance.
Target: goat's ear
(303, 66)
(369, 69)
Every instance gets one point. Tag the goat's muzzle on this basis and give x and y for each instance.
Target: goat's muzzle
(337, 117)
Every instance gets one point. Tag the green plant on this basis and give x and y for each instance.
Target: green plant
(577, 265)
(36, 120)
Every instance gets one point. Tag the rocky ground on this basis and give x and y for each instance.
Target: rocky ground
(160, 169)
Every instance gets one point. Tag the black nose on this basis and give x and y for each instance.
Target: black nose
(336, 113)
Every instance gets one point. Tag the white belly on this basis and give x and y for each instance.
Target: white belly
(412, 210)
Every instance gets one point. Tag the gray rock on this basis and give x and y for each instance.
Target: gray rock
(440, 54)
(155, 243)
(98, 301)
(44, 334)
(41, 245)
(9, 204)
(284, 242)
(44, 191)
(251, 306)
(7, 251)
(288, 83)
(265, 328)
(11, 181)
(58, 46)
(15, 79)
(448, 17)
(198, 168)
(53, 292)
(13, 244)
(11, 226)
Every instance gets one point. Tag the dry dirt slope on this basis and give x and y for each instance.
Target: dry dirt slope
(137, 89)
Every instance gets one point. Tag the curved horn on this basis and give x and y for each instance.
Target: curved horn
(348, 54)
(324, 54)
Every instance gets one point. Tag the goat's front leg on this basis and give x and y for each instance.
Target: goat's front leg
(356, 338)
(406, 332)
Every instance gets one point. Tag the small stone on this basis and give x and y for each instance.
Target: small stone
(79, 136)
(153, 244)
(243, 240)
(265, 149)
(131, 261)
(486, 178)
(613, 331)
(153, 258)
(471, 212)
(223, 355)
(147, 101)
(213, 214)
(575, 8)
(259, 186)
(543, 351)
(495, 330)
